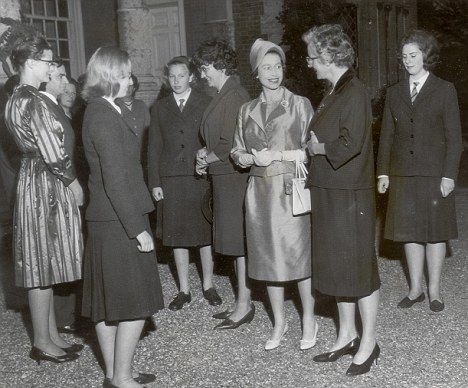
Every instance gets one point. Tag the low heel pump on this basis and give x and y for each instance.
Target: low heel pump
(360, 369)
(350, 348)
(38, 355)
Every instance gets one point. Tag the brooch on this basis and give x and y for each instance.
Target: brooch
(284, 103)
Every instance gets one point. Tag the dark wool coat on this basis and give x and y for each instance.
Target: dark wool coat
(424, 138)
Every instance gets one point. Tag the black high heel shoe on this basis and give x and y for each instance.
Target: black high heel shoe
(350, 348)
(359, 369)
(75, 348)
(228, 323)
(38, 355)
(223, 314)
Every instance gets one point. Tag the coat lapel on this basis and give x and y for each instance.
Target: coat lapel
(256, 113)
(427, 89)
(405, 94)
(120, 116)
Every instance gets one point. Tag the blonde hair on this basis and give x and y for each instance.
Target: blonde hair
(105, 68)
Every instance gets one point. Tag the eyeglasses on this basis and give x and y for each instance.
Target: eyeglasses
(311, 59)
(49, 62)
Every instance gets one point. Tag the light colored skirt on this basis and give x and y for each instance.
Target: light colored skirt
(278, 243)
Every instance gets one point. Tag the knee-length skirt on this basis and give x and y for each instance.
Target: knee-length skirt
(343, 252)
(228, 213)
(417, 212)
(278, 243)
(47, 237)
(119, 282)
(183, 223)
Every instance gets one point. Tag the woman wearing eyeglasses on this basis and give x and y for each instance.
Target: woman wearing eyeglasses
(47, 239)
(419, 154)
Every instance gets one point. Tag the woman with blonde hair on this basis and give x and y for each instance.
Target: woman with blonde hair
(121, 281)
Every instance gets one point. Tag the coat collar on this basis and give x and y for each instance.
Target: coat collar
(230, 84)
(332, 94)
(427, 89)
(190, 104)
(107, 105)
(256, 108)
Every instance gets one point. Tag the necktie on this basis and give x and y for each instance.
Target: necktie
(181, 104)
(414, 91)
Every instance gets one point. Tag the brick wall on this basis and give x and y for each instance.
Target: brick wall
(247, 15)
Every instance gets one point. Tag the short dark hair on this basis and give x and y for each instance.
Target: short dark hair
(180, 60)
(104, 68)
(136, 83)
(428, 45)
(219, 53)
(32, 47)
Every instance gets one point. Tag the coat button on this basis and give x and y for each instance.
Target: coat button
(181, 131)
(412, 136)
(182, 146)
(411, 152)
(411, 119)
(182, 160)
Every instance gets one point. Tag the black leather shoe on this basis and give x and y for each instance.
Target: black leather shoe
(436, 305)
(230, 324)
(350, 348)
(38, 355)
(223, 314)
(211, 295)
(144, 378)
(75, 348)
(360, 369)
(406, 302)
(179, 301)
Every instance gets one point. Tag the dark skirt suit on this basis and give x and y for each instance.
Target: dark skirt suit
(120, 282)
(229, 182)
(342, 193)
(47, 238)
(278, 243)
(419, 144)
(174, 140)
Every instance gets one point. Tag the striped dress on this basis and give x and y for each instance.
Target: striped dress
(47, 239)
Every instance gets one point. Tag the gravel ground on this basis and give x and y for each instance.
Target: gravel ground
(419, 348)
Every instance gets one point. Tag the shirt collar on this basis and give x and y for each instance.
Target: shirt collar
(50, 96)
(420, 81)
(185, 96)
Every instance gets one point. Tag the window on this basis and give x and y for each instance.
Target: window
(60, 22)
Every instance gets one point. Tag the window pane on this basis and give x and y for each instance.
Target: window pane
(50, 29)
(26, 6)
(63, 8)
(38, 7)
(50, 8)
(53, 44)
(67, 67)
(63, 46)
(62, 30)
(37, 23)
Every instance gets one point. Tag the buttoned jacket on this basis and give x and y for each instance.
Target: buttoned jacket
(174, 137)
(285, 129)
(343, 123)
(422, 138)
(219, 123)
(116, 184)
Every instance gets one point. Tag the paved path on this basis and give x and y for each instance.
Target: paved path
(419, 348)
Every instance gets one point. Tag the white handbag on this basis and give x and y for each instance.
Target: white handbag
(300, 195)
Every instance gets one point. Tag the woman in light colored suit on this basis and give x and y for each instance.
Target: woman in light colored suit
(419, 155)
(270, 136)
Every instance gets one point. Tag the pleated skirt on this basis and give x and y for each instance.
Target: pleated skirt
(343, 253)
(183, 223)
(47, 236)
(228, 213)
(417, 212)
(119, 282)
(278, 243)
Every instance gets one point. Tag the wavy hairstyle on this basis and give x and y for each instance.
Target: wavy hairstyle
(105, 68)
(331, 44)
(219, 53)
(428, 45)
(28, 48)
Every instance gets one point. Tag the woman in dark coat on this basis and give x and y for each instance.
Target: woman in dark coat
(341, 180)
(173, 143)
(419, 155)
(217, 63)
(121, 281)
